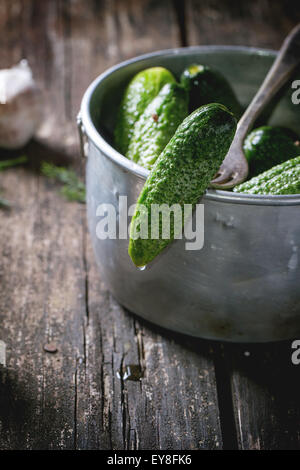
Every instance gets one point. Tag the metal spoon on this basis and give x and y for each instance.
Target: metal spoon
(234, 169)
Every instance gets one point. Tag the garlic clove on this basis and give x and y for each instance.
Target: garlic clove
(20, 106)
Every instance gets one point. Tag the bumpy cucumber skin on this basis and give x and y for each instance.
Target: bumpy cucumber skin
(281, 179)
(158, 124)
(183, 171)
(267, 146)
(206, 85)
(139, 93)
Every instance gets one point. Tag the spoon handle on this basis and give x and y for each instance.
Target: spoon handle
(284, 65)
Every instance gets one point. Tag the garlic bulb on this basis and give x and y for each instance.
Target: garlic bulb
(20, 106)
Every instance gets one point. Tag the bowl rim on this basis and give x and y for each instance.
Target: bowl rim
(128, 166)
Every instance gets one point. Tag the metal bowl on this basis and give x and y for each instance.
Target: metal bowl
(244, 285)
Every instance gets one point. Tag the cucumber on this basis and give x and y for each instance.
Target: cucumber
(206, 85)
(158, 124)
(267, 146)
(139, 93)
(281, 179)
(182, 173)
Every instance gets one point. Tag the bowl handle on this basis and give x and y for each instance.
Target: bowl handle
(82, 137)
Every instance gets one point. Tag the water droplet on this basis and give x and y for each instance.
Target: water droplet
(131, 372)
(142, 268)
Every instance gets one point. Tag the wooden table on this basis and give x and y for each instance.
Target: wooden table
(194, 394)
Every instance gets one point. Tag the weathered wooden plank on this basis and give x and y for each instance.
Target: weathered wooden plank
(265, 387)
(264, 383)
(43, 279)
(174, 405)
(232, 22)
(49, 283)
(104, 33)
(41, 284)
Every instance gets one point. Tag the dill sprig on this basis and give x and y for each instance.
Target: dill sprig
(12, 162)
(73, 189)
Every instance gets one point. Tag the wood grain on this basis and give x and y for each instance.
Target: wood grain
(265, 389)
(135, 414)
(50, 288)
(233, 22)
(173, 406)
(264, 384)
(41, 301)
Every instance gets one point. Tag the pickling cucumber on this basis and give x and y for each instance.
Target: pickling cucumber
(281, 179)
(139, 93)
(182, 173)
(267, 146)
(157, 124)
(206, 85)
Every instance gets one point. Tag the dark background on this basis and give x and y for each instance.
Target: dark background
(193, 394)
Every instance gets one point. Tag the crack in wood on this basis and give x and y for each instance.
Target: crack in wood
(227, 419)
(179, 7)
(75, 406)
(124, 406)
(85, 267)
(67, 64)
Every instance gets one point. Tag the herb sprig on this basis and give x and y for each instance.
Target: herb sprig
(4, 164)
(73, 189)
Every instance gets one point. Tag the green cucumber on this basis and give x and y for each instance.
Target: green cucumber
(281, 179)
(182, 173)
(267, 146)
(158, 124)
(139, 93)
(206, 85)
